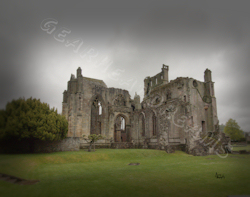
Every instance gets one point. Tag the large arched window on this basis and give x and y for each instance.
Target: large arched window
(100, 108)
(96, 116)
(122, 123)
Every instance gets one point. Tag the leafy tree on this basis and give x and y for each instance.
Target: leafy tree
(31, 120)
(92, 139)
(233, 130)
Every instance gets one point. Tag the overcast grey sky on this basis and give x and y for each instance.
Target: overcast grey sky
(122, 43)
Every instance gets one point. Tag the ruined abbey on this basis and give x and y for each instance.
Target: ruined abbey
(172, 113)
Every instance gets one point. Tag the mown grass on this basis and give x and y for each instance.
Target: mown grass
(106, 173)
(237, 148)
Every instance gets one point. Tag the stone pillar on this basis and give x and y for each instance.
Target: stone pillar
(211, 113)
(147, 86)
(65, 96)
(79, 72)
(165, 69)
(137, 101)
(128, 132)
(207, 75)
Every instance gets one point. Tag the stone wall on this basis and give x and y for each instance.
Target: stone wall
(67, 144)
(17, 146)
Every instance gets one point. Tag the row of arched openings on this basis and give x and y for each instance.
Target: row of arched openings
(120, 134)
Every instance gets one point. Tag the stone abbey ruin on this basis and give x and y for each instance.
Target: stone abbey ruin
(176, 114)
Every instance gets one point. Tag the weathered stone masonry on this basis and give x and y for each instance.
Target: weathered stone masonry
(172, 112)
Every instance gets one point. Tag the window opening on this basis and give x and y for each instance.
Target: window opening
(154, 124)
(122, 123)
(203, 126)
(100, 108)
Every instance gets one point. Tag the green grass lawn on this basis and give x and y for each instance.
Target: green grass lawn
(237, 148)
(106, 173)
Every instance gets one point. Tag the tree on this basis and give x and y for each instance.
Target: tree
(31, 120)
(232, 129)
(92, 139)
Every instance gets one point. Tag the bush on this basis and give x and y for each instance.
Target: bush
(30, 120)
(232, 129)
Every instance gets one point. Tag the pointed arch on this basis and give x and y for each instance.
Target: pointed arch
(99, 97)
(120, 130)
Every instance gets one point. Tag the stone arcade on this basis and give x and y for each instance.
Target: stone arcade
(172, 113)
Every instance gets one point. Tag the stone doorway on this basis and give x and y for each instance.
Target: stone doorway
(120, 134)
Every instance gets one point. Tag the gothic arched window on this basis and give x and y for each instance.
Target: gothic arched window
(122, 123)
(100, 108)
(96, 117)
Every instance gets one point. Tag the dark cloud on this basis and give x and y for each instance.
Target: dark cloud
(138, 37)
